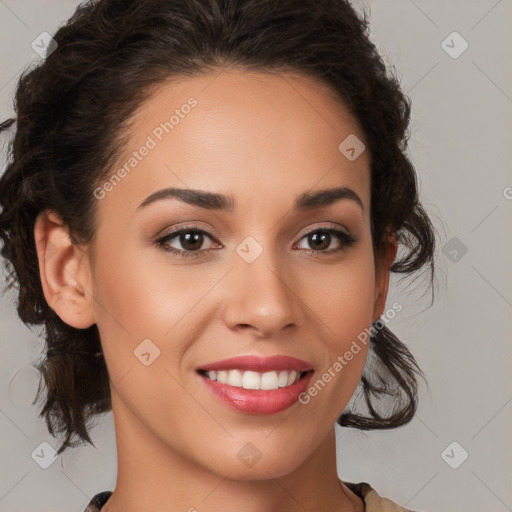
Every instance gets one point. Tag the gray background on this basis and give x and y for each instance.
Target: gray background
(461, 146)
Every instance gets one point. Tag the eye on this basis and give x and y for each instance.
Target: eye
(191, 240)
(320, 239)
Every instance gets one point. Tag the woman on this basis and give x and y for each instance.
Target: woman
(203, 204)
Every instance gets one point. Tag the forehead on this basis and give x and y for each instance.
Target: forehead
(250, 135)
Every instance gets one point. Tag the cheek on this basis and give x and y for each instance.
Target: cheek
(351, 301)
(141, 296)
(346, 315)
(343, 295)
(343, 302)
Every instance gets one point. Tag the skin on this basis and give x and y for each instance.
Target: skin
(264, 139)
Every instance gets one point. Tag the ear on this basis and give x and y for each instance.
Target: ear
(382, 276)
(64, 270)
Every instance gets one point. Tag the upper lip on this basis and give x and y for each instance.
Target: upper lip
(259, 364)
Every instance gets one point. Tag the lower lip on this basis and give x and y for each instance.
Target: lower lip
(258, 401)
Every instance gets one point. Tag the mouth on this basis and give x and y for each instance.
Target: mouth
(248, 379)
(263, 395)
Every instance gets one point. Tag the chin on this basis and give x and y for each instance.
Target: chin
(274, 464)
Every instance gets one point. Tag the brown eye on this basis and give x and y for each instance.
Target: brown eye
(320, 240)
(191, 241)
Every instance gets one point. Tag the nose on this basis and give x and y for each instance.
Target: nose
(262, 297)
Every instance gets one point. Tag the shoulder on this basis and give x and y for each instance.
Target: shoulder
(373, 501)
(98, 501)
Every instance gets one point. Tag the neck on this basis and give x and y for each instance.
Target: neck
(151, 476)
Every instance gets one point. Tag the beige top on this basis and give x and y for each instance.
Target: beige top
(373, 502)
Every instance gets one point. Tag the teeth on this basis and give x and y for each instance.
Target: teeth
(255, 380)
(234, 378)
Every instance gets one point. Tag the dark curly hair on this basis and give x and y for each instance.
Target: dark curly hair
(72, 109)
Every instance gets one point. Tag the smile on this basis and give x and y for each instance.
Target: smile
(248, 379)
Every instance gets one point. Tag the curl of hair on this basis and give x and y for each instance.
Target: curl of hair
(72, 116)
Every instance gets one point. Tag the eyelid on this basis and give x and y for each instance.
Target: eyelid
(209, 231)
(327, 225)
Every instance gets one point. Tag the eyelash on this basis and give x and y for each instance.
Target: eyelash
(347, 240)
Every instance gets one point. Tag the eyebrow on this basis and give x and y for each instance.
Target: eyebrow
(213, 201)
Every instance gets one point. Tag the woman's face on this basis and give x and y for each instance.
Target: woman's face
(262, 277)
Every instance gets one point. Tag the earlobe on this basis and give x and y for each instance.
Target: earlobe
(64, 271)
(382, 277)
